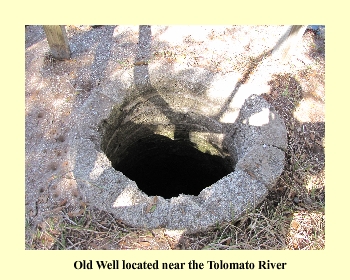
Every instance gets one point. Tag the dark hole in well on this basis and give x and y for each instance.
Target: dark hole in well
(165, 167)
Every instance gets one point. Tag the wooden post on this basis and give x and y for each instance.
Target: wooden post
(285, 45)
(58, 41)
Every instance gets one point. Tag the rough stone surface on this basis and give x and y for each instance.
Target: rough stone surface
(159, 101)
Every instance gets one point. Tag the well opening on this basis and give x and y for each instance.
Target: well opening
(167, 153)
(166, 167)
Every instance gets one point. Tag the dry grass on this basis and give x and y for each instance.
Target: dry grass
(93, 230)
(284, 226)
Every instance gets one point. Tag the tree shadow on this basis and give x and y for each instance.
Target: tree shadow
(305, 155)
(144, 85)
(317, 50)
(35, 35)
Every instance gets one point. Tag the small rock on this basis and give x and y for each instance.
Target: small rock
(296, 200)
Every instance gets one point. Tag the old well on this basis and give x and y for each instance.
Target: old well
(177, 148)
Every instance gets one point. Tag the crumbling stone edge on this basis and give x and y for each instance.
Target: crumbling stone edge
(258, 151)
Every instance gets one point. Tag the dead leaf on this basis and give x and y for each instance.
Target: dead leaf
(145, 243)
(295, 224)
(57, 209)
(88, 224)
(83, 204)
(43, 198)
(74, 213)
(142, 62)
(319, 143)
(63, 202)
(54, 231)
(291, 194)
